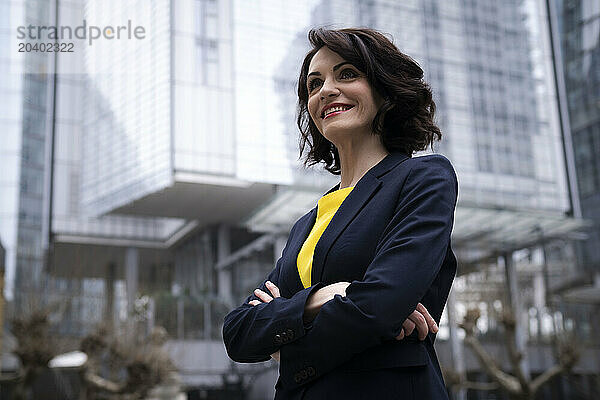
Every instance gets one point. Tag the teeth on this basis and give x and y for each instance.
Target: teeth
(335, 109)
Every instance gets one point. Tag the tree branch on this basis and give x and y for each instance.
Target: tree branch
(97, 382)
(514, 355)
(545, 377)
(507, 381)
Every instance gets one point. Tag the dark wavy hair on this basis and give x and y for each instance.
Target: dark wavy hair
(404, 120)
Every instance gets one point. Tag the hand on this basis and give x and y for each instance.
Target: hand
(266, 299)
(316, 300)
(420, 319)
(264, 296)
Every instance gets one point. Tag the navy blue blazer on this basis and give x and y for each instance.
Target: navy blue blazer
(391, 239)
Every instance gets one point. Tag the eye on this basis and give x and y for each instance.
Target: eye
(348, 74)
(313, 84)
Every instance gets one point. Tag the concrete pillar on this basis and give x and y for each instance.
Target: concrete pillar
(177, 292)
(540, 282)
(207, 319)
(539, 299)
(180, 317)
(151, 314)
(2, 269)
(456, 346)
(131, 277)
(109, 304)
(208, 267)
(224, 275)
(513, 299)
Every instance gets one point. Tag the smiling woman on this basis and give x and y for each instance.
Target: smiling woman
(350, 309)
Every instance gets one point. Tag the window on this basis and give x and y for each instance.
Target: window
(207, 30)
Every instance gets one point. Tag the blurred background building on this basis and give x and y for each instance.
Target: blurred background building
(575, 36)
(154, 182)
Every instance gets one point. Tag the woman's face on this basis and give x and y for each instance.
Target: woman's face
(340, 99)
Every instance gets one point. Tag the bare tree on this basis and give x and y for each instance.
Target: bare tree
(517, 385)
(457, 381)
(145, 364)
(35, 348)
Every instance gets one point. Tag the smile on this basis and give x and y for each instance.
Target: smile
(334, 109)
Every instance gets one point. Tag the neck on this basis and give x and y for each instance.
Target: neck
(356, 158)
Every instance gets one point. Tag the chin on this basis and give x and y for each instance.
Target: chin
(338, 127)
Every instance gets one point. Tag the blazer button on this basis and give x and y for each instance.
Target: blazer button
(278, 339)
(290, 333)
(297, 377)
(284, 337)
(311, 371)
(304, 374)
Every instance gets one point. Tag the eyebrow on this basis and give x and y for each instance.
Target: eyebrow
(335, 68)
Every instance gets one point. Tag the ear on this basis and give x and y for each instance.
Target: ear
(378, 98)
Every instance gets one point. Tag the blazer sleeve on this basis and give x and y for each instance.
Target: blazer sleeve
(408, 257)
(253, 333)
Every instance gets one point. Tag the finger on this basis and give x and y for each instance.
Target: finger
(401, 335)
(409, 326)
(344, 287)
(276, 356)
(340, 288)
(262, 295)
(420, 324)
(254, 302)
(430, 321)
(273, 289)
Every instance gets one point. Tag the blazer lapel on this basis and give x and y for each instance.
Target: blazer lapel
(363, 191)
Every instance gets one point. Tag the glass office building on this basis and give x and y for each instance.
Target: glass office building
(227, 116)
(103, 261)
(578, 27)
(42, 128)
(25, 87)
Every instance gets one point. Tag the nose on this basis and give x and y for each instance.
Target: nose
(329, 89)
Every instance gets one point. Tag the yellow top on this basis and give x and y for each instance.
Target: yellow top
(327, 206)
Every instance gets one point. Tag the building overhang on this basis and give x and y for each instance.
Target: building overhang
(480, 233)
(279, 213)
(79, 259)
(84, 255)
(204, 198)
(588, 294)
(483, 233)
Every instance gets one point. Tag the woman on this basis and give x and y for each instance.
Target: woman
(339, 309)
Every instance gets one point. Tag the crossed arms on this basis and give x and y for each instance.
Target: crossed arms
(419, 319)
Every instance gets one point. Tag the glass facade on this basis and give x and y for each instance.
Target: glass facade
(492, 83)
(24, 86)
(88, 258)
(78, 134)
(267, 57)
(126, 108)
(230, 108)
(11, 122)
(579, 26)
(26, 132)
(202, 102)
